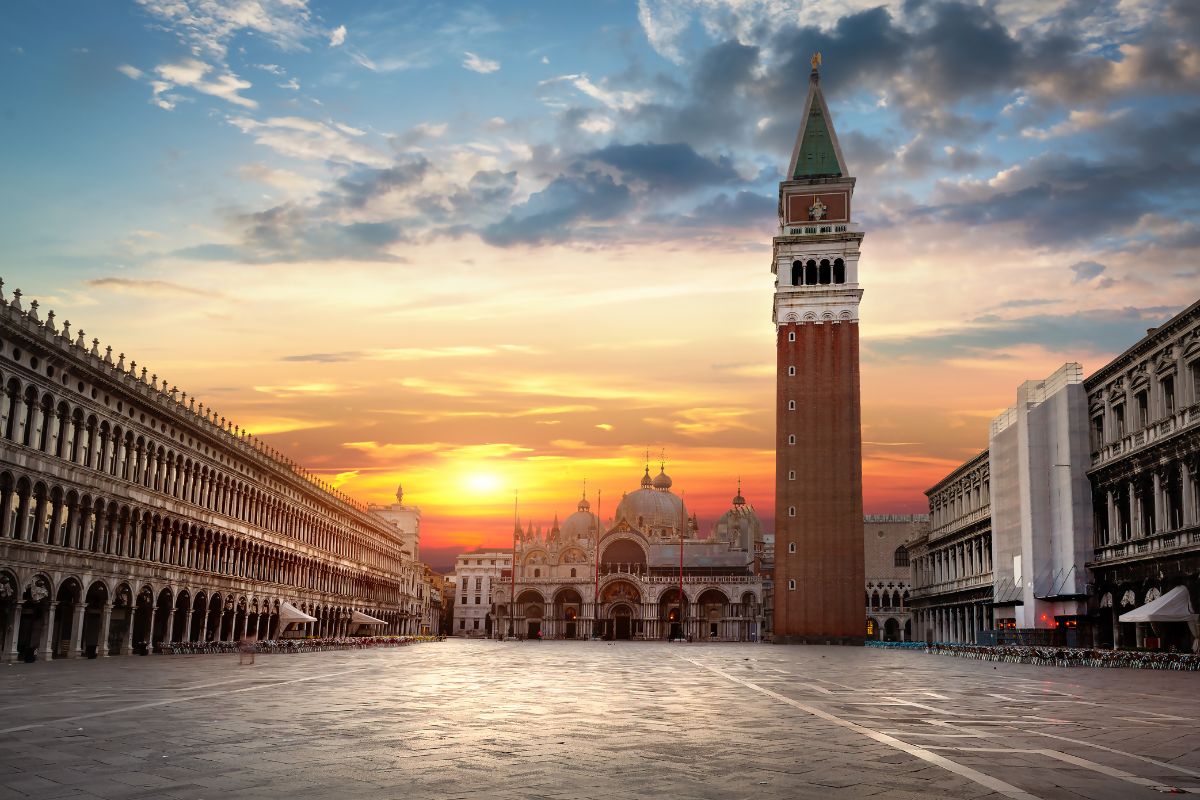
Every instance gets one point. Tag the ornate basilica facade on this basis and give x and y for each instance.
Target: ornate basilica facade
(132, 517)
(648, 574)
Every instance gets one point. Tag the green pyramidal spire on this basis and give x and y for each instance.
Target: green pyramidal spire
(817, 153)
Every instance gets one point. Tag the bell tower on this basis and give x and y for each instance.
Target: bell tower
(819, 573)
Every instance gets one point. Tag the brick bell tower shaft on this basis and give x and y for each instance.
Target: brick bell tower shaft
(819, 573)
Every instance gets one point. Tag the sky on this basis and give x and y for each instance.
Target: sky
(486, 248)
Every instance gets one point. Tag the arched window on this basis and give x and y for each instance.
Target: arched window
(839, 271)
(791, 438)
(797, 273)
(901, 557)
(791, 372)
(791, 547)
(791, 511)
(874, 599)
(810, 273)
(791, 336)
(791, 405)
(825, 273)
(537, 573)
(791, 474)
(792, 585)
(572, 572)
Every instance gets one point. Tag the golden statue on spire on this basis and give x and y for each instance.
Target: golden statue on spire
(816, 61)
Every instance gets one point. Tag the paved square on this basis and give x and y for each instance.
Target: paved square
(591, 719)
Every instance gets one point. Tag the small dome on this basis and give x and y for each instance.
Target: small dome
(738, 500)
(662, 480)
(581, 525)
(646, 482)
(584, 505)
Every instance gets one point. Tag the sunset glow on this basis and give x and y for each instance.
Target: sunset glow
(483, 252)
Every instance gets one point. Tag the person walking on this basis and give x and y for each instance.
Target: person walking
(246, 648)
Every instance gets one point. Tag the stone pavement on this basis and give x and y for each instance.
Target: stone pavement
(474, 719)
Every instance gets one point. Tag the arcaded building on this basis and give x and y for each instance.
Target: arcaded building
(1144, 413)
(889, 575)
(818, 437)
(951, 562)
(648, 574)
(132, 516)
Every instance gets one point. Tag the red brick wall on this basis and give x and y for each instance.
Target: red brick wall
(827, 566)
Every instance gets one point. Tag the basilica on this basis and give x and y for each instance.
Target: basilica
(648, 573)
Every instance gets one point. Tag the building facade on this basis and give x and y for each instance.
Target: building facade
(649, 574)
(475, 576)
(1144, 415)
(406, 519)
(818, 466)
(889, 575)
(951, 562)
(1040, 506)
(132, 517)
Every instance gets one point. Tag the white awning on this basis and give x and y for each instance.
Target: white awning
(359, 618)
(1174, 606)
(289, 614)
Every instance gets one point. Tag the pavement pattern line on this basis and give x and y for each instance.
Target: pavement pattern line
(987, 781)
(1147, 759)
(173, 700)
(1078, 761)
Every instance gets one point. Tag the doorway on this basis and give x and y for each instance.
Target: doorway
(535, 629)
(570, 630)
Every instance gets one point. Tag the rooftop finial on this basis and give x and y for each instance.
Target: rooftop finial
(16, 301)
(33, 307)
(2, 300)
(50, 321)
(816, 64)
(66, 332)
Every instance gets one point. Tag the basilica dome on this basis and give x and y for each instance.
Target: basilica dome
(653, 510)
(583, 524)
(739, 526)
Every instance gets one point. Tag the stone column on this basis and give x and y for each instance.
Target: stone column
(48, 638)
(1188, 490)
(187, 625)
(1159, 523)
(77, 631)
(169, 628)
(1114, 525)
(14, 630)
(105, 621)
(1135, 516)
(127, 644)
(150, 631)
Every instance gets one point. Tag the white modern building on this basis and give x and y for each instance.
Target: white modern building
(474, 576)
(1041, 505)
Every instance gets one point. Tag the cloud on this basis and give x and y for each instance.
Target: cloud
(409, 354)
(744, 209)
(1098, 330)
(209, 24)
(590, 200)
(483, 66)
(1077, 121)
(130, 71)
(299, 137)
(674, 167)
(1086, 271)
(616, 100)
(149, 288)
(191, 72)
(337, 36)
